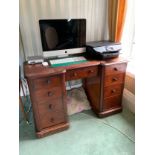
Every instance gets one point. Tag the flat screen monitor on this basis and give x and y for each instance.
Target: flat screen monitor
(61, 37)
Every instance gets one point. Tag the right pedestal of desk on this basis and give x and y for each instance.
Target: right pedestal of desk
(105, 91)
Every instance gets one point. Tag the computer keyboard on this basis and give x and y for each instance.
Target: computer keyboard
(67, 61)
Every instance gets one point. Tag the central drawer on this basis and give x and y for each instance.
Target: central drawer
(51, 113)
(81, 73)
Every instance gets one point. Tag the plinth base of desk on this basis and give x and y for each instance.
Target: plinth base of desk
(52, 130)
(109, 112)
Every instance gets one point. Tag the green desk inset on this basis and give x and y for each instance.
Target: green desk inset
(68, 63)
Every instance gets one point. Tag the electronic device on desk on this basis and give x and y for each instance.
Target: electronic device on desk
(35, 59)
(62, 37)
(103, 49)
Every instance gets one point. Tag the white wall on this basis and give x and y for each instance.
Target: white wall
(21, 55)
(129, 30)
(32, 10)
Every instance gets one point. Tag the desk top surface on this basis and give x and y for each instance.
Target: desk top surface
(38, 70)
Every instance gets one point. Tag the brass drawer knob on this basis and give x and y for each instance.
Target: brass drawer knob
(115, 69)
(52, 120)
(113, 91)
(50, 93)
(114, 79)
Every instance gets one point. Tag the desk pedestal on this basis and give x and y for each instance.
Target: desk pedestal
(105, 91)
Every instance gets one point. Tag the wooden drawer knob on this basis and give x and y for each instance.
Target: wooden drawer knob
(114, 79)
(52, 120)
(113, 91)
(50, 106)
(115, 69)
(74, 74)
(50, 93)
(48, 81)
(90, 71)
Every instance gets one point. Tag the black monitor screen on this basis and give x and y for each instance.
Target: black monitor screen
(62, 34)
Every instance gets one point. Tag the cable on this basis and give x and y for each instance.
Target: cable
(119, 131)
(25, 91)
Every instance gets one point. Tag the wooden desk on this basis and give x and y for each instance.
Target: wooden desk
(103, 82)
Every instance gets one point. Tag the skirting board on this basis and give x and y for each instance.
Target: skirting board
(128, 100)
(52, 130)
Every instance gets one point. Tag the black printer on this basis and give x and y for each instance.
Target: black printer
(103, 49)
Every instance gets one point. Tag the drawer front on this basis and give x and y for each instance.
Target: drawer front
(115, 69)
(48, 94)
(112, 102)
(45, 83)
(82, 73)
(51, 113)
(114, 79)
(112, 90)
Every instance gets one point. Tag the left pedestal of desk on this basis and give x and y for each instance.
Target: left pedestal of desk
(48, 97)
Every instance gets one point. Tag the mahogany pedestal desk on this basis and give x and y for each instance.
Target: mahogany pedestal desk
(103, 82)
